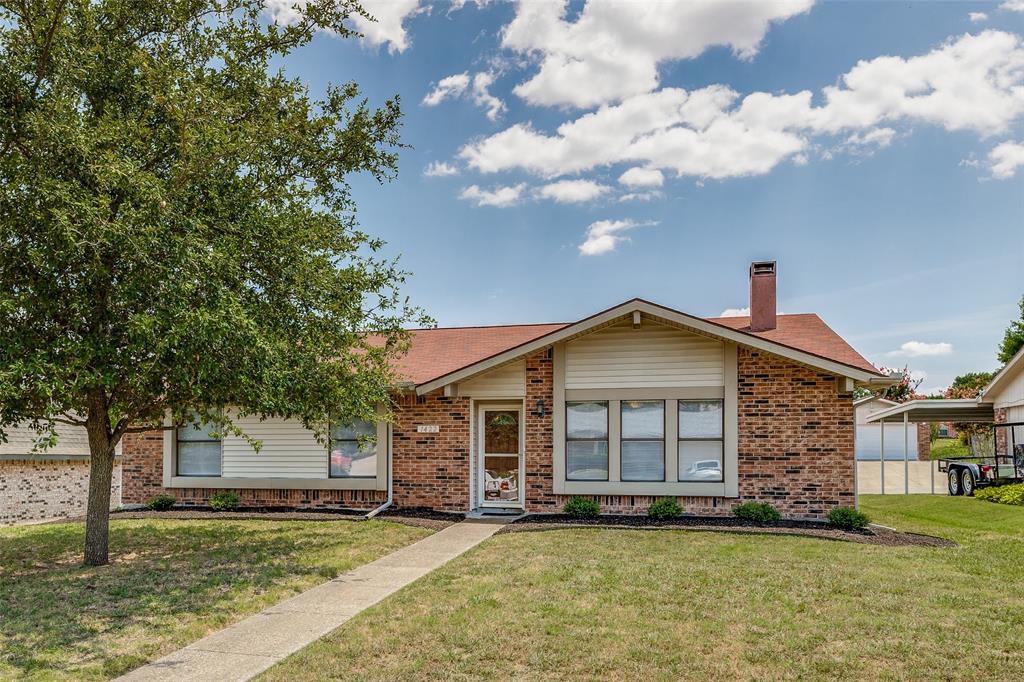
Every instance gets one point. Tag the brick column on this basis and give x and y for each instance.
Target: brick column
(924, 441)
(539, 445)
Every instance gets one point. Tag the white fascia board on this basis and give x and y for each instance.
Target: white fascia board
(991, 392)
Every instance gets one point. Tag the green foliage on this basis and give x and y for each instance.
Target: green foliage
(177, 232)
(1003, 494)
(665, 508)
(582, 508)
(848, 518)
(161, 502)
(903, 390)
(969, 385)
(1013, 339)
(225, 500)
(762, 512)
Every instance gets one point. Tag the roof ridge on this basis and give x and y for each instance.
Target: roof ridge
(490, 326)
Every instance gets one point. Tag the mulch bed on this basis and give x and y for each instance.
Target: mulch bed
(410, 517)
(874, 535)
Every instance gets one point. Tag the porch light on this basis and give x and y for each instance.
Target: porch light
(540, 407)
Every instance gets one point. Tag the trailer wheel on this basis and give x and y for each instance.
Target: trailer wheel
(954, 482)
(967, 483)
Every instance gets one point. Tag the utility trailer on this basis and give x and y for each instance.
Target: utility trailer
(1006, 465)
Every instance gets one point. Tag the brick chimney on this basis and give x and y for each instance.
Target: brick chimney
(762, 296)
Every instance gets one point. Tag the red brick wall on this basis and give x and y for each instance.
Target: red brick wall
(539, 444)
(924, 442)
(431, 469)
(795, 436)
(142, 474)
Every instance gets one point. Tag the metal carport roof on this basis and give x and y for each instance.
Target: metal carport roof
(964, 410)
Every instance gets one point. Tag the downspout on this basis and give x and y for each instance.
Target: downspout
(391, 490)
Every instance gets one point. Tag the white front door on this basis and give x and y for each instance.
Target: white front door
(500, 445)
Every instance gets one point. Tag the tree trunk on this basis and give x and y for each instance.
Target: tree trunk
(101, 469)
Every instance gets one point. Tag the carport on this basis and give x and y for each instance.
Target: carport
(927, 411)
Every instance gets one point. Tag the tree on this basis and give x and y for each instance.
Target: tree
(177, 235)
(905, 389)
(1013, 339)
(968, 386)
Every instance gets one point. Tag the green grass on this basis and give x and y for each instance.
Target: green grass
(169, 583)
(667, 605)
(949, 447)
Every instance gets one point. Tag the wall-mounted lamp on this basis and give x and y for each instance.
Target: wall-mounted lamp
(540, 407)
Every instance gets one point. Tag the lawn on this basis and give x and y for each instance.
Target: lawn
(949, 447)
(633, 604)
(169, 583)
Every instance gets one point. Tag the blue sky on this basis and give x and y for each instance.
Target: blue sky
(875, 150)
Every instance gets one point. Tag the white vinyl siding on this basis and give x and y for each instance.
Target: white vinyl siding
(654, 356)
(507, 381)
(288, 451)
(1012, 394)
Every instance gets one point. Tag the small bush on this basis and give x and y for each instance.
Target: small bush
(762, 512)
(161, 502)
(225, 500)
(848, 518)
(665, 508)
(1003, 494)
(582, 508)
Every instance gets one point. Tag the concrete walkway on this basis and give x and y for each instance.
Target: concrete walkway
(245, 649)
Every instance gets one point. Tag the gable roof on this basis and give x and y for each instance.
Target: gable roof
(1003, 377)
(440, 356)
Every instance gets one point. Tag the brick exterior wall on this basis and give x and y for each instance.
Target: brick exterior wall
(39, 489)
(431, 469)
(795, 448)
(924, 442)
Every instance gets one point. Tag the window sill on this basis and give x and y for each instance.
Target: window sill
(669, 488)
(277, 483)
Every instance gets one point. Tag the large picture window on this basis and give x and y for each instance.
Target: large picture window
(642, 457)
(700, 440)
(353, 452)
(586, 435)
(199, 450)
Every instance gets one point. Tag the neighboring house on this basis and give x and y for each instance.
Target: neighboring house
(634, 403)
(869, 435)
(37, 486)
(946, 430)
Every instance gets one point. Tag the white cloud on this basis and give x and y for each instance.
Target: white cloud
(483, 98)
(448, 87)
(604, 235)
(499, 197)
(976, 17)
(642, 177)
(640, 196)
(1013, 6)
(975, 82)
(1005, 159)
(920, 349)
(458, 84)
(612, 49)
(440, 169)
(572, 191)
(388, 27)
(735, 312)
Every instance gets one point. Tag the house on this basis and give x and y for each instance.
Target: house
(1005, 394)
(39, 486)
(633, 403)
(869, 434)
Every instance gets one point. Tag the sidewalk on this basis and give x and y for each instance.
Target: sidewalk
(245, 649)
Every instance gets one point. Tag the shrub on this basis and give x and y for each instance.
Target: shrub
(848, 518)
(225, 500)
(1003, 494)
(161, 502)
(665, 508)
(762, 512)
(582, 508)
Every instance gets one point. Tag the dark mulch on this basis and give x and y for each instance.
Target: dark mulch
(410, 517)
(874, 535)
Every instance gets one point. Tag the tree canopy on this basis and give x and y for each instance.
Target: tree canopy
(1013, 338)
(177, 234)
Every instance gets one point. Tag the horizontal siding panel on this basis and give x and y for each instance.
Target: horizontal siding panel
(288, 450)
(653, 356)
(508, 381)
